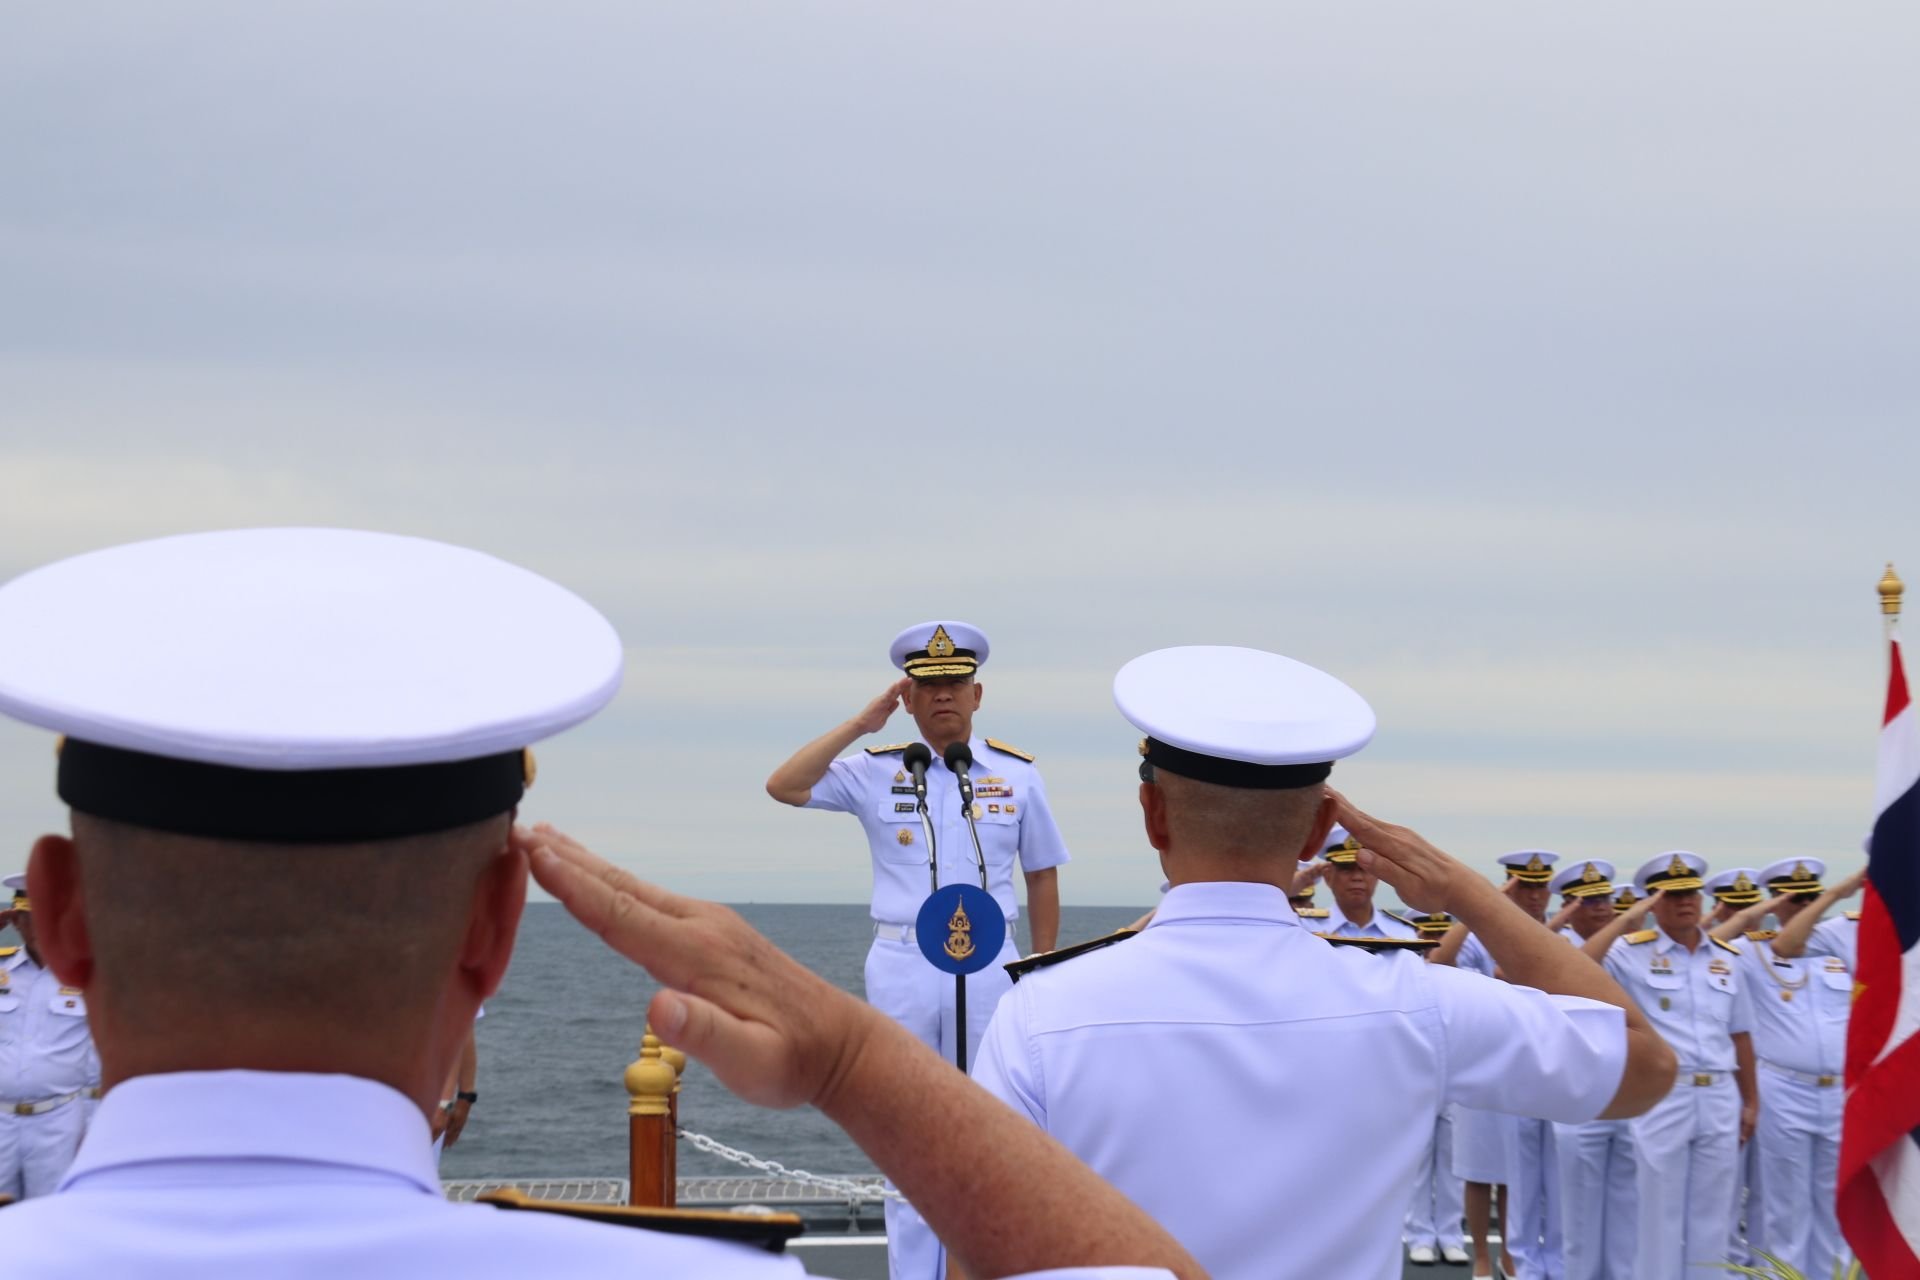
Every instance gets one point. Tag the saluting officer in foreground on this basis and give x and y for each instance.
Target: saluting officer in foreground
(1687, 1148)
(1159, 1058)
(323, 733)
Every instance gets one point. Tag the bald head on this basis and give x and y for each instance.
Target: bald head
(1205, 831)
(199, 953)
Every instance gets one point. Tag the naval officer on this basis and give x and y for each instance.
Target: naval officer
(1687, 1147)
(1800, 1010)
(1159, 1057)
(1354, 886)
(1595, 1160)
(48, 1066)
(1737, 901)
(1434, 1218)
(323, 732)
(1015, 825)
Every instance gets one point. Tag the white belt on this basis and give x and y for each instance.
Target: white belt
(904, 932)
(1804, 1077)
(41, 1107)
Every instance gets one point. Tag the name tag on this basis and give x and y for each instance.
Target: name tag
(904, 806)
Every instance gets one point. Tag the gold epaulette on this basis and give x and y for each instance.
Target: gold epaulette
(1021, 968)
(1311, 913)
(7, 951)
(1762, 935)
(1853, 915)
(888, 750)
(1645, 935)
(1377, 945)
(1724, 946)
(998, 745)
(767, 1232)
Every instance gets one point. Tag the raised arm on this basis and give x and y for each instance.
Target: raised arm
(1527, 954)
(1596, 947)
(1791, 942)
(792, 783)
(1003, 1196)
(1745, 918)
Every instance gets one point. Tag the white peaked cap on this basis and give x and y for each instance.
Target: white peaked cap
(297, 650)
(1218, 706)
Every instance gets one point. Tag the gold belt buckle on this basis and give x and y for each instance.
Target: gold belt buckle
(1701, 1081)
(23, 1108)
(1825, 1081)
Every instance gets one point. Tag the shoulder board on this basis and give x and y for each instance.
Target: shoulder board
(888, 750)
(1377, 945)
(998, 745)
(1762, 935)
(7, 951)
(1395, 915)
(5, 1201)
(1724, 946)
(1645, 935)
(768, 1232)
(1853, 915)
(1311, 913)
(1021, 968)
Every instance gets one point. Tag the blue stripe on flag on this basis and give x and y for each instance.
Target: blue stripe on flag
(1895, 864)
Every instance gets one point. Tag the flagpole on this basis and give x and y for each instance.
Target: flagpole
(1890, 589)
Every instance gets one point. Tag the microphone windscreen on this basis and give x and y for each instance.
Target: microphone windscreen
(918, 755)
(958, 756)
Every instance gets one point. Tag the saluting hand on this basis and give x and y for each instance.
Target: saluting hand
(1851, 885)
(876, 713)
(774, 1033)
(1425, 878)
(1638, 911)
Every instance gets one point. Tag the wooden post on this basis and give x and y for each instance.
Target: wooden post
(671, 1157)
(649, 1081)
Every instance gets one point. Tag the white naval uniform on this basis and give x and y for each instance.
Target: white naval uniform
(1380, 925)
(46, 1054)
(1484, 1142)
(1015, 824)
(1598, 1207)
(1158, 1062)
(1800, 1010)
(1687, 1146)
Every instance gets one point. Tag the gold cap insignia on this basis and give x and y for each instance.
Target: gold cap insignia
(1678, 868)
(1800, 872)
(1143, 746)
(1743, 885)
(1591, 875)
(941, 646)
(1535, 865)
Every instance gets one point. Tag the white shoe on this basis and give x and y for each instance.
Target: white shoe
(1421, 1255)
(1454, 1255)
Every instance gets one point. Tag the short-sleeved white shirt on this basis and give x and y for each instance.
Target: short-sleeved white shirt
(1015, 824)
(1839, 936)
(46, 1048)
(1174, 1064)
(1381, 925)
(1800, 1008)
(1695, 999)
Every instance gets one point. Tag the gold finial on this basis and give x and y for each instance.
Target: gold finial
(649, 1079)
(1890, 589)
(675, 1059)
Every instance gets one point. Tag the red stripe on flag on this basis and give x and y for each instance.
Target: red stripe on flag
(1896, 687)
(1869, 1227)
(1877, 1003)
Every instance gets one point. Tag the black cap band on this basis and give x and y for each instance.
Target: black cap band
(307, 806)
(1233, 773)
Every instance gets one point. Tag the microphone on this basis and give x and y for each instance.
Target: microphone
(959, 758)
(917, 757)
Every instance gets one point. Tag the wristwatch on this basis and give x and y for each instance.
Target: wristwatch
(467, 1096)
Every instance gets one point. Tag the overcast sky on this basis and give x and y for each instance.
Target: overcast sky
(1550, 375)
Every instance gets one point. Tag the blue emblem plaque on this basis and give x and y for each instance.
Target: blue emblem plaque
(960, 929)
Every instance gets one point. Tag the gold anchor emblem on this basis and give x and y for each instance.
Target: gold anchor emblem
(959, 934)
(1534, 865)
(1741, 884)
(941, 646)
(1591, 875)
(1678, 868)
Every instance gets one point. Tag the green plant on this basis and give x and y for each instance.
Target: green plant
(1775, 1269)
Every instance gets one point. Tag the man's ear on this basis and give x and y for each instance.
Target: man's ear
(1322, 827)
(978, 689)
(60, 910)
(1153, 811)
(498, 899)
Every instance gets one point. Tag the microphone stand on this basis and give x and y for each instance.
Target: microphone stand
(965, 783)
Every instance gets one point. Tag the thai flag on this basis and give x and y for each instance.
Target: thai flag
(1879, 1189)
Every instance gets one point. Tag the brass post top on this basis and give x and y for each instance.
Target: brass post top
(1890, 589)
(649, 1079)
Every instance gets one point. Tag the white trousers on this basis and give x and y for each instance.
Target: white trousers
(1799, 1140)
(1438, 1206)
(36, 1150)
(1533, 1202)
(1597, 1200)
(902, 985)
(1687, 1154)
